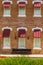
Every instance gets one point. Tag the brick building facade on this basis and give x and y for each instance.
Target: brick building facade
(21, 26)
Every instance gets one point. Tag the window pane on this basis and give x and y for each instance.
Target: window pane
(37, 42)
(22, 11)
(37, 11)
(21, 43)
(6, 11)
(37, 34)
(6, 43)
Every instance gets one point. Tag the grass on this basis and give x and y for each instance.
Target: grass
(21, 61)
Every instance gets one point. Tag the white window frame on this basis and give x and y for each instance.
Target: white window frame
(35, 15)
(4, 15)
(5, 43)
(22, 15)
(38, 43)
(19, 44)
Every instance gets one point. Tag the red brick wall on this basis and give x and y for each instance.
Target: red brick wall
(14, 22)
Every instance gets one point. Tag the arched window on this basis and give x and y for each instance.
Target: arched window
(6, 37)
(21, 37)
(37, 37)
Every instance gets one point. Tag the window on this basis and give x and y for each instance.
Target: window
(21, 44)
(37, 42)
(37, 12)
(22, 12)
(6, 38)
(6, 43)
(21, 37)
(6, 11)
(37, 37)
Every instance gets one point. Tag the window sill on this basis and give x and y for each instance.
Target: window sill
(6, 48)
(37, 16)
(6, 15)
(21, 47)
(21, 15)
(37, 48)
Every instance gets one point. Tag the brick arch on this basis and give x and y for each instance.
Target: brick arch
(6, 28)
(37, 28)
(21, 28)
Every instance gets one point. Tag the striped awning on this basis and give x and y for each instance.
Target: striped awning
(37, 4)
(6, 33)
(6, 4)
(22, 4)
(37, 33)
(21, 33)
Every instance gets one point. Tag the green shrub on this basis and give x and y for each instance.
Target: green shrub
(21, 61)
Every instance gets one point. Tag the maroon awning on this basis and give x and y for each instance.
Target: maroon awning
(22, 4)
(21, 33)
(6, 33)
(37, 34)
(37, 4)
(6, 4)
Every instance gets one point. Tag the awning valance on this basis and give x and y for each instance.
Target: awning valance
(6, 4)
(22, 4)
(37, 33)
(37, 4)
(6, 33)
(21, 33)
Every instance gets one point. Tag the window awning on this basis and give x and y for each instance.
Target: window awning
(21, 33)
(6, 33)
(37, 4)
(37, 33)
(6, 4)
(22, 4)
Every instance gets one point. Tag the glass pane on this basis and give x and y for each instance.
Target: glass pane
(21, 43)
(6, 43)
(22, 11)
(37, 42)
(6, 11)
(37, 11)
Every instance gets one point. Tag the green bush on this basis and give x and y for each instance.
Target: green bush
(21, 61)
